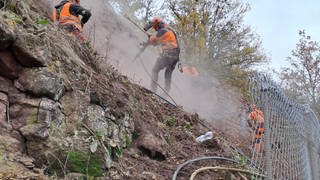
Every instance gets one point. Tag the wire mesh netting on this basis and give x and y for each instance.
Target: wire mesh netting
(290, 144)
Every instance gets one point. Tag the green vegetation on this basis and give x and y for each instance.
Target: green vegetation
(91, 164)
(187, 125)
(171, 121)
(11, 17)
(42, 21)
(161, 125)
(242, 159)
(128, 140)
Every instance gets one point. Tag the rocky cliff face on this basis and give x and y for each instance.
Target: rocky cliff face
(64, 112)
(51, 99)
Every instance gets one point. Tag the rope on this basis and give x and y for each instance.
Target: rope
(223, 168)
(134, 23)
(148, 90)
(143, 49)
(145, 68)
(199, 159)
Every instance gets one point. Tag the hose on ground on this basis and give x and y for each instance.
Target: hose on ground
(223, 168)
(199, 159)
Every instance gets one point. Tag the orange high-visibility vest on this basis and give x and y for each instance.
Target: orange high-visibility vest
(66, 18)
(257, 116)
(167, 41)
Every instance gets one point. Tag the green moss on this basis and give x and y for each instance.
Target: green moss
(117, 152)
(128, 140)
(33, 117)
(82, 163)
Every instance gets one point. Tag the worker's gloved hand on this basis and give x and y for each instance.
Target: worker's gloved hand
(147, 26)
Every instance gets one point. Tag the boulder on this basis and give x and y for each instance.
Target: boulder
(96, 118)
(49, 111)
(5, 127)
(3, 106)
(31, 51)
(22, 110)
(152, 146)
(35, 132)
(25, 111)
(5, 84)
(41, 83)
(7, 35)
(9, 66)
(73, 105)
(10, 144)
(38, 150)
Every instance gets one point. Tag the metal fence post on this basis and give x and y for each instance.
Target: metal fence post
(268, 156)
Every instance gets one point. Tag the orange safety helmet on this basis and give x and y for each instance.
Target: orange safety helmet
(157, 23)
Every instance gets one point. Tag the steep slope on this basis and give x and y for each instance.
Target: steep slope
(64, 110)
(118, 39)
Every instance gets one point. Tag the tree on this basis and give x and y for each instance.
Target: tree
(215, 27)
(302, 78)
(140, 9)
(214, 38)
(211, 34)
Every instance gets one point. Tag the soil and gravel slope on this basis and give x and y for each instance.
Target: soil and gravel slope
(215, 103)
(118, 39)
(160, 137)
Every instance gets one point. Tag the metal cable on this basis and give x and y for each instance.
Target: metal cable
(145, 68)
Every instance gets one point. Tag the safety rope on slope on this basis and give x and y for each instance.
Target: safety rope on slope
(138, 56)
(199, 159)
(145, 68)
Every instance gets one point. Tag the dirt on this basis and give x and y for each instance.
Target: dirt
(171, 127)
(203, 97)
(164, 136)
(172, 132)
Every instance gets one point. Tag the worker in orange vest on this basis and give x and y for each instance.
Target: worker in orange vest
(66, 15)
(256, 121)
(169, 57)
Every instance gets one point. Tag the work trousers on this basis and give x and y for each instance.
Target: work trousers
(74, 31)
(167, 60)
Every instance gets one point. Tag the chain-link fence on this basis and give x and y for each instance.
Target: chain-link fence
(290, 146)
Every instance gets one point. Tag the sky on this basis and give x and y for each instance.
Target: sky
(278, 22)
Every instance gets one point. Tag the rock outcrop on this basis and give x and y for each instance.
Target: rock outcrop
(46, 112)
(66, 113)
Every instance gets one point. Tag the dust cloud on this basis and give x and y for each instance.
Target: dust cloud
(117, 39)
